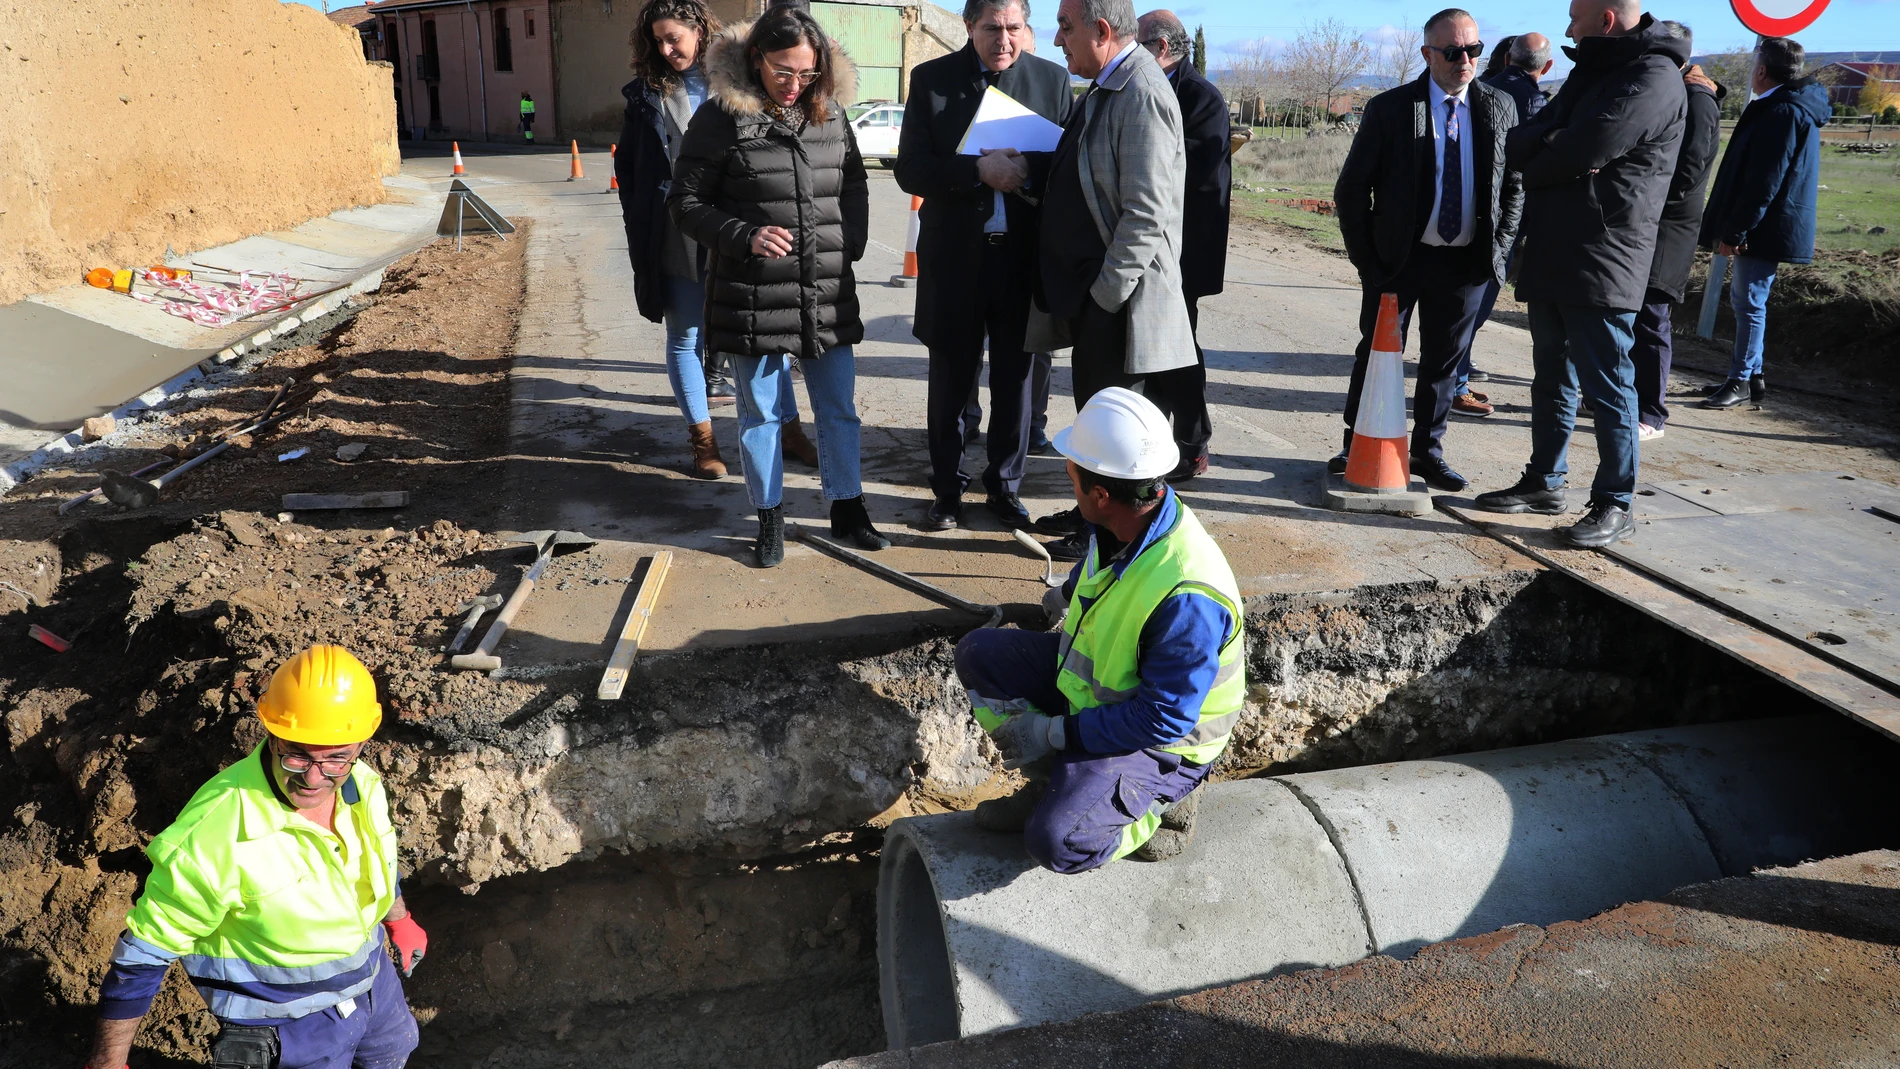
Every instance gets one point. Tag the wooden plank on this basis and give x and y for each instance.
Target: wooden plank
(1825, 682)
(387, 499)
(1824, 579)
(620, 665)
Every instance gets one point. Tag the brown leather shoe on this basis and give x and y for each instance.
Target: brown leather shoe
(792, 440)
(1479, 396)
(707, 463)
(1471, 405)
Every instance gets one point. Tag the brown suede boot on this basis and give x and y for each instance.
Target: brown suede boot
(707, 463)
(792, 439)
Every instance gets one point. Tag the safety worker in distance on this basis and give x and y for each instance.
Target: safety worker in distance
(1116, 715)
(269, 888)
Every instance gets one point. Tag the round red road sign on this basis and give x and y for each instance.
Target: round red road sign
(1778, 18)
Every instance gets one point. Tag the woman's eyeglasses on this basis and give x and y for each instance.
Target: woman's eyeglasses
(1452, 52)
(784, 77)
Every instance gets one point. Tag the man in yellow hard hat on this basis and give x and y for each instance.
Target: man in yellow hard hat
(269, 888)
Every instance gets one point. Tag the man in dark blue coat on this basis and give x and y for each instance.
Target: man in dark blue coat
(1205, 207)
(976, 251)
(1761, 209)
(1597, 163)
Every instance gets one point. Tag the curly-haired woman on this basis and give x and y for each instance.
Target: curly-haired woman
(771, 184)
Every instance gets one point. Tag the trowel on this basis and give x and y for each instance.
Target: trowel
(1049, 576)
(545, 544)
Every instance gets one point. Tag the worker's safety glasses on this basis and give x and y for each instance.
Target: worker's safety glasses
(298, 764)
(1452, 52)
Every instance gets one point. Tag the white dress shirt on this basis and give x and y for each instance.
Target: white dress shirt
(998, 222)
(1437, 97)
(1116, 62)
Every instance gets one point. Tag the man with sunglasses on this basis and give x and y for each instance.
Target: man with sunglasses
(1428, 211)
(270, 888)
(1597, 166)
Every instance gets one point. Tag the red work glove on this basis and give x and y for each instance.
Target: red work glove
(411, 942)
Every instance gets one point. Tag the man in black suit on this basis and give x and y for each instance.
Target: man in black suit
(1428, 212)
(976, 250)
(1182, 393)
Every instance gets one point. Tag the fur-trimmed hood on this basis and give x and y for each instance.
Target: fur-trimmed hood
(730, 82)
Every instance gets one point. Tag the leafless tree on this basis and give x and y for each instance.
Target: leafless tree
(1731, 69)
(1253, 78)
(1325, 58)
(1401, 58)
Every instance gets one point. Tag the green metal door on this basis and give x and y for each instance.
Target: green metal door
(874, 37)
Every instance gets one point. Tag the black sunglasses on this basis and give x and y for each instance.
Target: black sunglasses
(1452, 52)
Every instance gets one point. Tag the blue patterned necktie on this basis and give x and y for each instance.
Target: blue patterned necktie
(1451, 195)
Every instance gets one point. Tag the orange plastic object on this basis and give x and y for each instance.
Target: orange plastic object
(1378, 463)
(100, 277)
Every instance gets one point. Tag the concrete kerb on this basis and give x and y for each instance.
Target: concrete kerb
(1323, 868)
(73, 444)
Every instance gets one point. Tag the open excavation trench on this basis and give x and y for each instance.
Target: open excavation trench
(688, 877)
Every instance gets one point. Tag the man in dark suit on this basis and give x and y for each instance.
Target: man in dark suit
(1428, 211)
(976, 250)
(1182, 393)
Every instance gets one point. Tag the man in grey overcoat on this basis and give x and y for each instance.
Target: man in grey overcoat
(1110, 258)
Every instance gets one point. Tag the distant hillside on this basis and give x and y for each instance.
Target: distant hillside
(1822, 59)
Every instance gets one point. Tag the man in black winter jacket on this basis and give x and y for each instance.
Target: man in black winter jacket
(1596, 164)
(1428, 211)
(1675, 246)
(1761, 208)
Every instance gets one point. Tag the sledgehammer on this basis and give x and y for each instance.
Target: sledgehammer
(545, 542)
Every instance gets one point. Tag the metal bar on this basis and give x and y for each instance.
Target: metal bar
(1711, 296)
(892, 575)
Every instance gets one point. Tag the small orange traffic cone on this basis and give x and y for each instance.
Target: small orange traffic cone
(909, 276)
(458, 157)
(574, 161)
(1378, 461)
(613, 173)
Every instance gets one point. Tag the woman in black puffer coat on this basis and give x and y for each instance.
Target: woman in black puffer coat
(770, 183)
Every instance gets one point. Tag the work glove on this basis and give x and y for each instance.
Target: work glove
(410, 940)
(1028, 737)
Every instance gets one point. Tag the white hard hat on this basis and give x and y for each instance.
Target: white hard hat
(1121, 435)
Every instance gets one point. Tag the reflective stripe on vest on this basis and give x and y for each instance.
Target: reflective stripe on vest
(1100, 652)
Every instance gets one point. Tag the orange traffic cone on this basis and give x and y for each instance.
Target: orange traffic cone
(613, 173)
(909, 277)
(574, 161)
(1378, 463)
(458, 157)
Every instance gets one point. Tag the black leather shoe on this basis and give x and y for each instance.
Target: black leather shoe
(769, 550)
(1757, 389)
(1189, 468)
(851, 525)
(1603, 524)
(944, 513)
(1479, 376)
(1042, 446)
(1732, 393)
(1069, 547)
(1336, 467)
(1066, 522)
(1528, 495)
(1009, 508)
(1437, 474)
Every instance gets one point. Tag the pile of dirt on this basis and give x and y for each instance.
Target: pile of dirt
(1839, 317)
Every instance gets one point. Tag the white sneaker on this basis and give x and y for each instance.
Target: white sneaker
(1647, 433)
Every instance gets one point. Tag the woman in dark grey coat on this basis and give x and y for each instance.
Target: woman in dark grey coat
(770, 183)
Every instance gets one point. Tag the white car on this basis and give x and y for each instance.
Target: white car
(877, 125)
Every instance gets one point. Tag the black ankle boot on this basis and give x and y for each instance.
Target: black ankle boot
(851, 525)
(770, 548)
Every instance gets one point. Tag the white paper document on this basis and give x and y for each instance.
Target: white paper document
(1002, 122)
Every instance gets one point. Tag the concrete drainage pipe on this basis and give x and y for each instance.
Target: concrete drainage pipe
(1325, 868)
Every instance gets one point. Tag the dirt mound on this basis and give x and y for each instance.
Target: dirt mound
(1839, 316)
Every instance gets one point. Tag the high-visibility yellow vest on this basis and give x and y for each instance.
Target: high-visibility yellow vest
(527, 107)
(272, 916)
(1100, 654)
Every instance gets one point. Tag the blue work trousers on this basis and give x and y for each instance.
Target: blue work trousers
(379, 1033)
(1092, 797)
(1574, 344)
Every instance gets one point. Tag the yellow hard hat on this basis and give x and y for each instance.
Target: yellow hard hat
(321, 697)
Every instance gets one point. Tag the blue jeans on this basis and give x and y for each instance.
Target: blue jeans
(379, 1034)
(1078, 824)
(765, 401)
(1748, 296)
(685, 315)
(1574, 344)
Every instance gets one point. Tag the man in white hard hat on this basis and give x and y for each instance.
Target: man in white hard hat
(1116, 716)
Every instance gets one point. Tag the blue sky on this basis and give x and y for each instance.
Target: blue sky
(1847, 25)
